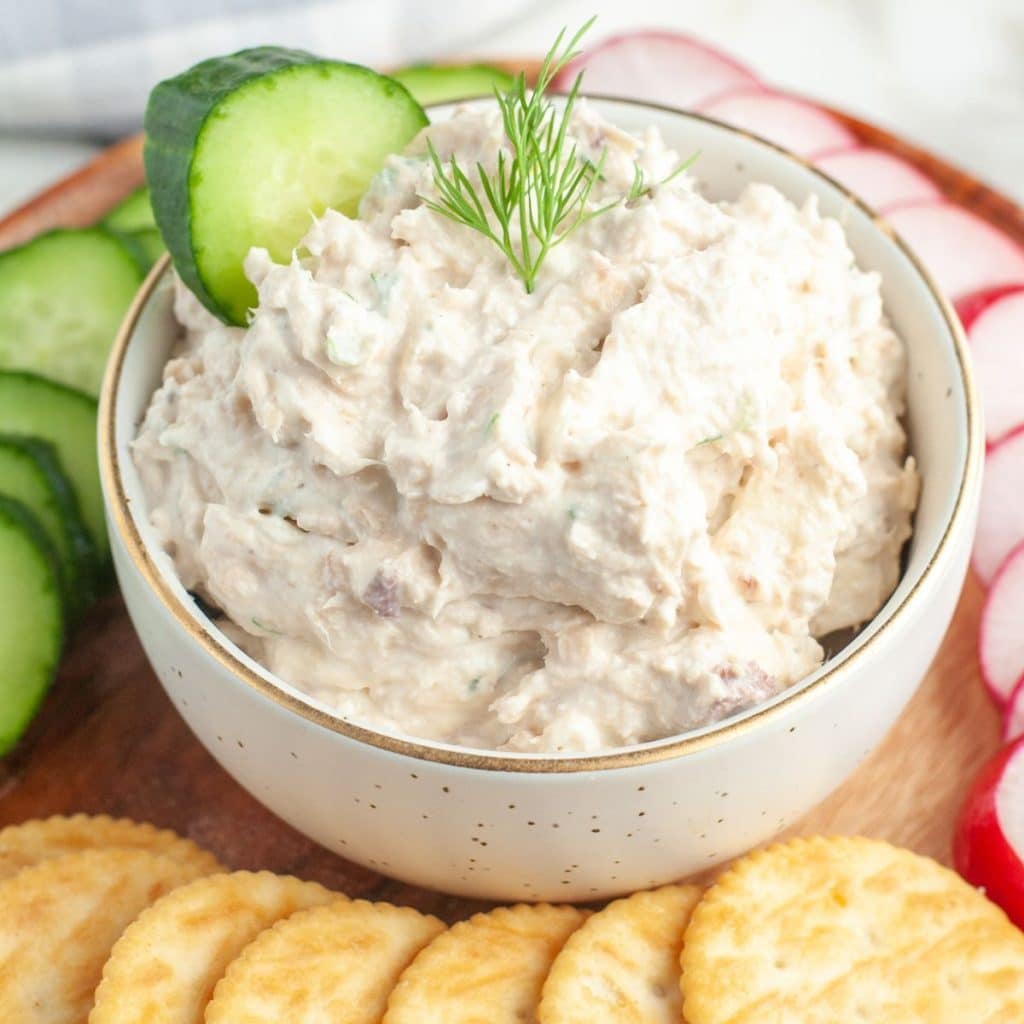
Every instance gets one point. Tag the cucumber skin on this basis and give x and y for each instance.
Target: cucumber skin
(81, 577)
(144, 245)
(33, 380)
(176, 114)
(14, 513)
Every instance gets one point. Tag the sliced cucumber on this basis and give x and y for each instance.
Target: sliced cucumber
(133, 213)
(67, 419)
(434, 83)
(133, 222)
(145, 245)
(31, 619)
(30, 471)
(62, 297)
(243, 150)
(150, 244)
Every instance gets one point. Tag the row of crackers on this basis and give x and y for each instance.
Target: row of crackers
(114, 922)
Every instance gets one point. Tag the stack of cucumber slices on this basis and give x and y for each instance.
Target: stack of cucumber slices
(240, 150)
(62, 297)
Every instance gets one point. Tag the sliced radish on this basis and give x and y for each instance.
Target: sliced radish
(879, 178)
(661, 67)
(1013, 721)
(1001, 634)
(971, 306)
(988, 845)
(1001, 516)
(784, 120)
(997, 351)
(963, 252)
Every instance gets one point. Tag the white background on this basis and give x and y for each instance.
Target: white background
(948, 74)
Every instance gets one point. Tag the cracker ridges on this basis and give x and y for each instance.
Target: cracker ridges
(30, 842)
(622, 964)
(826, 928)
(330, 971)
(60, 919)
(489, 967)
(221, 912)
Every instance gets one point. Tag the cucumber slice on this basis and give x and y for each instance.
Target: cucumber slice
(67, 419)
(62, 297)
(31, 619)
(433, 83)
(133, 213)
(30, 471)
(150, 244)
(243, 150)
(145, 245)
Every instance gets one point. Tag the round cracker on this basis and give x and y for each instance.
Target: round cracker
(164, 967)
(35, 841)
(59, 920)
(337, 963)
(844, 929)
(489, 968)
(622, 965)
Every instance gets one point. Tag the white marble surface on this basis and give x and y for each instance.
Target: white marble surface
(948, 75)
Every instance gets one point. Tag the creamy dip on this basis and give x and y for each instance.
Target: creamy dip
(609, 511)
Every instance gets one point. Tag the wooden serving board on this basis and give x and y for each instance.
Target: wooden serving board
(109, 741)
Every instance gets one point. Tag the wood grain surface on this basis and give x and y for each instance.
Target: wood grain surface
(108, 739)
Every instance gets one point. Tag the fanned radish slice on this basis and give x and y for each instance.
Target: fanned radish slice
(661, 67)
(997, 349)
(963, 252)
(1001, 635)
(1013, 720)
(879, 178)
(1001, 516)
(971, 306)
(988, 845)
(784, 120)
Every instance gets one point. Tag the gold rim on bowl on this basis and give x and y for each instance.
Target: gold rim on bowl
(266, 684)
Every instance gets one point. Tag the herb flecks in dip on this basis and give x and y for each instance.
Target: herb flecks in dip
(610, 510)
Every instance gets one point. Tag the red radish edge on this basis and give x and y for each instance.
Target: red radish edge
(1001, 514)
(997, 350)
(676, 84)
(963, 252)
(746, 90)
(982, 850)
(970, 307)
(1000, 636)
(786, 120)
(881, 179)
(1013, 721)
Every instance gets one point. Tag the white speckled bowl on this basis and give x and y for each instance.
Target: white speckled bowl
(508, 826)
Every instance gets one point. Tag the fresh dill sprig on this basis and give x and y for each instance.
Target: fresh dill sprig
(538, 195)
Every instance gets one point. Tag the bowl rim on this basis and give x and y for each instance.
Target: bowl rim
(271, 687)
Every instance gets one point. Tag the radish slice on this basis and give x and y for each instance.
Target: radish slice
(988, 845)
(997, 348)
(879, 178)
(970, 307)
(1013, 722)
(963, 252)
(1001, 634)
(784, 120)
(1001, 516)
(661, 67)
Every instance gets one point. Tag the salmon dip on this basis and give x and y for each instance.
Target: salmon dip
(619, 507)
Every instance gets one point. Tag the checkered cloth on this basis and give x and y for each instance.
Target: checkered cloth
(85, 67)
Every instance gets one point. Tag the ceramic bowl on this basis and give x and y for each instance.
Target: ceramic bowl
(516, 826)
